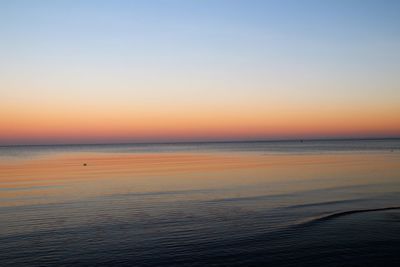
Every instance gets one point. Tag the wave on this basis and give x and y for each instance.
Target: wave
(342, 214)
(307, 205)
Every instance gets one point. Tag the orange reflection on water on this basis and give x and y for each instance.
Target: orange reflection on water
(62, 177)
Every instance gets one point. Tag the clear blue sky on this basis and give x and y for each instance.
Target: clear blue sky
(258, 65)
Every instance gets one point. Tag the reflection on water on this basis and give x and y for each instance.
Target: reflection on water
(196, 204)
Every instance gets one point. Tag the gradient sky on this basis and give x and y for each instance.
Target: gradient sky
(128, 71)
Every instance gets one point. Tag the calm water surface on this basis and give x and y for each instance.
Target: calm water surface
(311, 203)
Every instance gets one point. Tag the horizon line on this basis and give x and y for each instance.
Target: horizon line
(213, 141)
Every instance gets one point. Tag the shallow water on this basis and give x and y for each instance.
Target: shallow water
(308, 203)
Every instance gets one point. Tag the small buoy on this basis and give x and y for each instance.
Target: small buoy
(84, 164)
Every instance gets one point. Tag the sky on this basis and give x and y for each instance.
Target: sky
(198, 70)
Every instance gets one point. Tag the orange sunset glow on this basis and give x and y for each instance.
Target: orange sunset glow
(81, 125)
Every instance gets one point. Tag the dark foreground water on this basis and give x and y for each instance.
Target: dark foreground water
(312, 203)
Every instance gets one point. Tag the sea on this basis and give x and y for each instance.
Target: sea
(275, 203)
